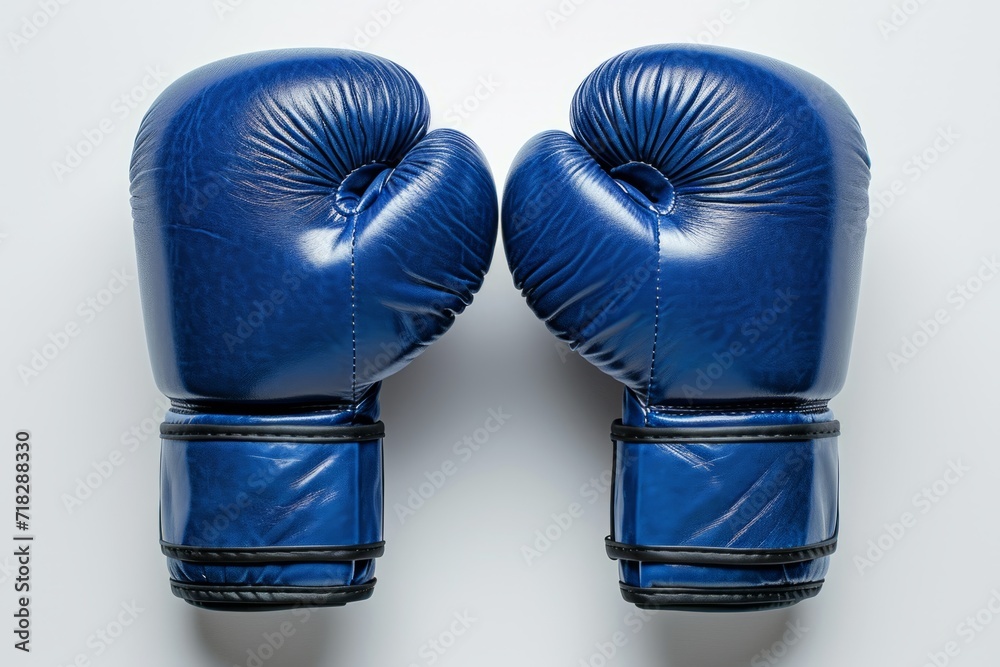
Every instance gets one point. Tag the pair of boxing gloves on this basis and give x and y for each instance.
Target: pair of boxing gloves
(301, 237)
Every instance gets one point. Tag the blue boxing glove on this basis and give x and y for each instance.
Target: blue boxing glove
(300, 237)
(699, 238)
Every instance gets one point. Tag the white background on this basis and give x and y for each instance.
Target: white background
(62, 239)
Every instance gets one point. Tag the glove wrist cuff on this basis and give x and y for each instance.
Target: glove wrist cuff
(724, 511)
(266, 512)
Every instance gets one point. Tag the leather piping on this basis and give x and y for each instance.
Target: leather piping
(722, 434)
(748, 598)
(234, 555)
(718, 556)
(274, 432)
(227, 597)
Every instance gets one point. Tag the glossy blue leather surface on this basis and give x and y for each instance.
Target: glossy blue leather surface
(699, 237)
(650, 575)
(744, 495)
(227, 493)
(300, 237)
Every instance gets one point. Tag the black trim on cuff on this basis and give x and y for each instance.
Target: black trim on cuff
(225, 597)
(721, 434)
(718, 556)
(274, 432)
(750, 598)
(244, 555)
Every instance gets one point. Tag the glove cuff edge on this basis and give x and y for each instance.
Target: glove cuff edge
(220, 597)
(684, 598)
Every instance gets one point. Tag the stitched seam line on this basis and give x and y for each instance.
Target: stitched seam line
(750, 553)
(264, 553)
(755, 436)
(723, 595)
(304, 410)
(354, 310)
(776, 411)
(744, 408)
(236, 554)
(656, 315)
(250, 589)
(266, 434)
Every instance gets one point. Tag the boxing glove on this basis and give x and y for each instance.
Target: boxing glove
(699, 238)
(300, 237)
